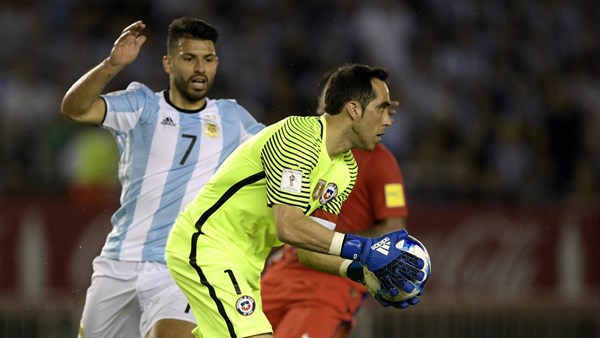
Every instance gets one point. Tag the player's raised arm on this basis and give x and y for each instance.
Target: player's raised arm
(82, 102)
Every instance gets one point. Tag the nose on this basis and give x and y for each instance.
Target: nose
(387, 118)
(200, 66)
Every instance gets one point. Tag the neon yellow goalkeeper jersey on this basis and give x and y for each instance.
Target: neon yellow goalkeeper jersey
(285, 163)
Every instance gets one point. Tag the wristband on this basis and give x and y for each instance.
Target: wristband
(353, 270)
(337, 242)
(344, 267)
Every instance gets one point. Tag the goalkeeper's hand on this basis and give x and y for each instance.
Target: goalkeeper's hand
(392, 266)
(355, 272)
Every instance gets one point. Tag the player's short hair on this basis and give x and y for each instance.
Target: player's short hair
(190, 28)
(352, 82)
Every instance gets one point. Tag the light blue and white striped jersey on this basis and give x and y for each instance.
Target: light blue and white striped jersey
(166, 156)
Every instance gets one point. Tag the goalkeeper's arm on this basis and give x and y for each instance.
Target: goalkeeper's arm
(346, 268)
(333, 265)
(298, 230)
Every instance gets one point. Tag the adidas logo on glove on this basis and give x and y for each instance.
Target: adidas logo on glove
(383, 246)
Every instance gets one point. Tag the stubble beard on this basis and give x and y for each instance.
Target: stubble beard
(189, 95)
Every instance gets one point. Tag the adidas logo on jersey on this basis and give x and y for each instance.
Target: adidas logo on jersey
(168, 122)
(383, 246)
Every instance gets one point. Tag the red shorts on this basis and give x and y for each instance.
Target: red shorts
(310, 302)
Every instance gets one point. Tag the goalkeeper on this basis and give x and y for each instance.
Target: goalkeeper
(300, 301)
(259, 199)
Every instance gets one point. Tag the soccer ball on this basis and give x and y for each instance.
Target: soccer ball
(415, 247)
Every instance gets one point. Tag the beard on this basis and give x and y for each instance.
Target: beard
(190, 95)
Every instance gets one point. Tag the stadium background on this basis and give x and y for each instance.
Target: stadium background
(498, 135)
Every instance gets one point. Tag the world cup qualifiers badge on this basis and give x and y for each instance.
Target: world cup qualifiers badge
(245, 305)
(291, 181)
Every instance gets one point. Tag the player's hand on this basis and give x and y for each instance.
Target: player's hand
(392, 266)
(401, 272)
(377, 291)
(127, 47)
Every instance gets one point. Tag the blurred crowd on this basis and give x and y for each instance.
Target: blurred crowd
(500, 100)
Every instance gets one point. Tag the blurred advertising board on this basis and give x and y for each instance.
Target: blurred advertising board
(501, 252)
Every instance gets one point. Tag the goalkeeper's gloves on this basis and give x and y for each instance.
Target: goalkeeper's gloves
(393, 266)
(354, 271)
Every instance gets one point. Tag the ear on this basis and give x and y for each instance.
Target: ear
(354, 109)
(166, 61)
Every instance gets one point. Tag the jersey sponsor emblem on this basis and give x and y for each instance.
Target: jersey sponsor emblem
(211, 127)
(245, 305)
(168, 121)
(291, 180)
(394, 195)
(330, 192)
(318, 190)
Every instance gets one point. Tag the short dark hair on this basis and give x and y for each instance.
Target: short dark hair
(190, 28)
(352, 82)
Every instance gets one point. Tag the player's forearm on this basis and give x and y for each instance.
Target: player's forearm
(321, 262)
(301, 231)
(81, 96)
(332, 265)
(304, 233)
(298, 230)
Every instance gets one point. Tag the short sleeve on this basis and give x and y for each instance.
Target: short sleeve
(288, 157)
(124, 108)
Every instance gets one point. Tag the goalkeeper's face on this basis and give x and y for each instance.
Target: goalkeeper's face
(376, 117)
(192, 69)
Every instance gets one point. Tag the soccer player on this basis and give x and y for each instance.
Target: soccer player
(170, 143)
(260, 198)
(303, 302)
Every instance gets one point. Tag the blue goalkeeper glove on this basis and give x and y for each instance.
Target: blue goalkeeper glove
(393, 267)
(356, 273)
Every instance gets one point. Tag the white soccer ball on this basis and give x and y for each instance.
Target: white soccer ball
(415, 247)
